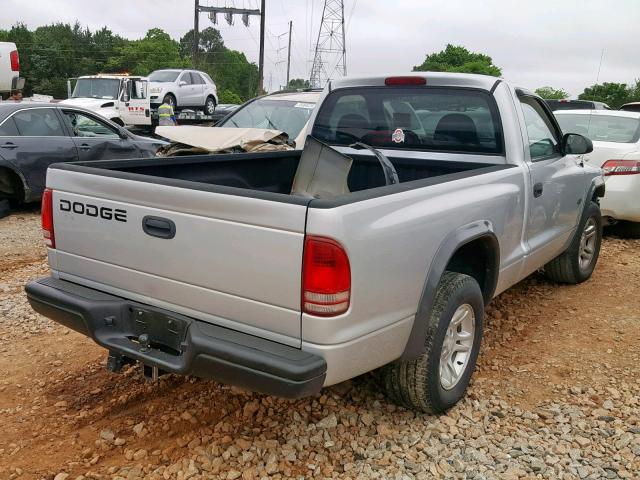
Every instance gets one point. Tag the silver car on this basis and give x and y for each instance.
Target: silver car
(183, 88)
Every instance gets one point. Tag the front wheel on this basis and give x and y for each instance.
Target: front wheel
(439, 377)
(210, 106)
(576, 263)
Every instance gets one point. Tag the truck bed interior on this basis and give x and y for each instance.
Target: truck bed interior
(275, 172)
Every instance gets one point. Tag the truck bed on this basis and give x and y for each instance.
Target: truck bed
(271, 175)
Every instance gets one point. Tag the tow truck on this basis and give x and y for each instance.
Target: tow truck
(123, 99)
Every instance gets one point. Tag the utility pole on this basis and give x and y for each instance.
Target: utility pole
(289, 53)
(196, 33)
(330, 58)
(261, 58)
(229, 12)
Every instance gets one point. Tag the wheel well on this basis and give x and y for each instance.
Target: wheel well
(479, 259)
(118, 121)
(11, 185)
(598, 193)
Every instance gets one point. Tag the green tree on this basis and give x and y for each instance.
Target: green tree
(230, 69)
(551, 93)
(613, 94)
(227, 96)
(456, 58)
(209, 41)
(141, 57)
(298, 83)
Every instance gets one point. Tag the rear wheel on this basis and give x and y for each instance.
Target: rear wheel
(210, 106)
(577, 263)
(439, 377)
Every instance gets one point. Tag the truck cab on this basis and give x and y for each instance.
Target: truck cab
(121, 98)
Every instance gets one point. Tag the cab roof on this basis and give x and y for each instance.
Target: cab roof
(440, 79)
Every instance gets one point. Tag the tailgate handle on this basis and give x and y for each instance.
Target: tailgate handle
(159, 227)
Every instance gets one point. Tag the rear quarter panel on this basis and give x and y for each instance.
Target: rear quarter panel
(391, 241)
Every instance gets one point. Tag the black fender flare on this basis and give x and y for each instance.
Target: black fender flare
(452, 242)
(596, 190)
(12, 168)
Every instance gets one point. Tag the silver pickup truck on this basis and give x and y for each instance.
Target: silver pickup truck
(458, 187)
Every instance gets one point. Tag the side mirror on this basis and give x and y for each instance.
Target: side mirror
(575, 144)
(182, 83)
(123, 133)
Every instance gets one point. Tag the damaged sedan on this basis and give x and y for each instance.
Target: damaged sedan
(35, 135)
(274, 122)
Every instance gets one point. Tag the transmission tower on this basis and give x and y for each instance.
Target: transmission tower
(330, 58)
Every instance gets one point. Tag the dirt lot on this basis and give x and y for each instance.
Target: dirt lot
(556, 395)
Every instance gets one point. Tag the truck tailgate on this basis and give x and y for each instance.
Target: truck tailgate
(233, 261)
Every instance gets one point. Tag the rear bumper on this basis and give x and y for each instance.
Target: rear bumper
(622, 200)
(179, 344)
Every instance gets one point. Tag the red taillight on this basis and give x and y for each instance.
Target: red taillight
(15, 61)
(389, 81)
(47, 218)
(326, 277)
(621, 167)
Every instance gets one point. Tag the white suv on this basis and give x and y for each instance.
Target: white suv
(183, 88)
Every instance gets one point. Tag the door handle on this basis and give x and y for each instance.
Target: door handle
(9, 145)
(85, 146)
(537, 190)
(159, 227)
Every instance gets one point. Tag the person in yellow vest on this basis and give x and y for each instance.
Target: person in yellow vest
(166, 115)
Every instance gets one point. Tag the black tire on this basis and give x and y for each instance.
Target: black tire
(170, 99)
(567, 267)
(210, 106)
(416, 384)
(118, 121)
(627, 229)
(5, 208)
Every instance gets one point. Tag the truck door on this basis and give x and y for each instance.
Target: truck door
(134, 104)
(557, 185)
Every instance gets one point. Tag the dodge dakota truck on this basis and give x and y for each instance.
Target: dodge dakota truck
(441, 191)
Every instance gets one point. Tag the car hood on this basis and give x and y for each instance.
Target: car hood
(161, 85)
(89, 103)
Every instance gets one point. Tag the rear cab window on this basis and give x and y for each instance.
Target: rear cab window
(443, 119)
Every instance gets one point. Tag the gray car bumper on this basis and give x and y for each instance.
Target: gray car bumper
(178, 344)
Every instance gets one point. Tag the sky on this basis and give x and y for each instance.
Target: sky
(536, 43)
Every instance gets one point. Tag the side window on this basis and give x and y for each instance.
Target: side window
(543, 138)
(39, 122)
(8, 128)
(85, 126)
(186, 77)
(196, 79)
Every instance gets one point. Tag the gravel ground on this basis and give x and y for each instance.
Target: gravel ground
(556, 395)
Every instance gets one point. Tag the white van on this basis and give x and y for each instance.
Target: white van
(9, 68)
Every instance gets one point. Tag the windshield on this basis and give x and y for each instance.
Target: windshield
(411, 118)
(285, 115)
(107, 88)
(163, 76)
(601, 128)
